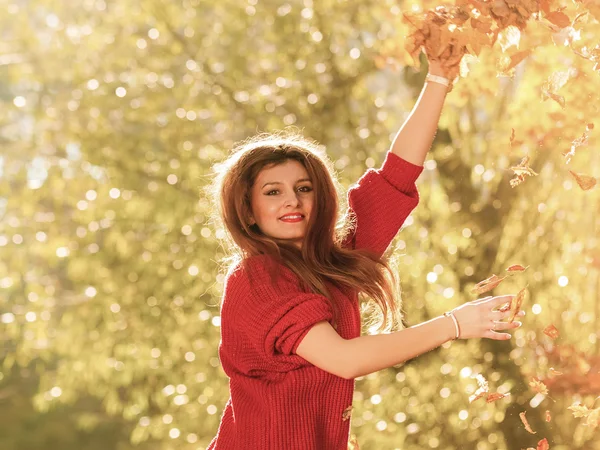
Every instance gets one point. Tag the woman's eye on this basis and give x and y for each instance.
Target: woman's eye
(307, 188)
(269, 193)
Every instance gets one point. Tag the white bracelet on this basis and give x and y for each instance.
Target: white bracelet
(436, 79)
(450, 314)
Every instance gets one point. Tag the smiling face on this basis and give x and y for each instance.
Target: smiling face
(281, 201)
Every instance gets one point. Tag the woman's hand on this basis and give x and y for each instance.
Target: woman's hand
(480, 319)
(448, 63)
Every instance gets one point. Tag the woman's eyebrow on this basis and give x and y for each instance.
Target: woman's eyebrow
(279, 182)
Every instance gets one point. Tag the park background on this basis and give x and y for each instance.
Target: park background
(112, 115)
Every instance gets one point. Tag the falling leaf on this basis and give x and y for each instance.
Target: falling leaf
(538, 387)
(524, 420)
(585, 182)
(487, 285)
(581, 141)
(559, 19)
(579, 410)
(506, 63)
(551, 331)
(592, 416)
(517, 268)
(347, 413)
(553, 372)
(543, 445)
(353, 443)
(548, 416)
(495, 396)
(515, 305)
(521, 171)
(482, 390)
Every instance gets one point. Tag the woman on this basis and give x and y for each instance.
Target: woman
(290, 319)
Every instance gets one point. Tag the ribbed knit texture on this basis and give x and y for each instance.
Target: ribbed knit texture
(278, 400)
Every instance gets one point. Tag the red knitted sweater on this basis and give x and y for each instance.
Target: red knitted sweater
(278, 400)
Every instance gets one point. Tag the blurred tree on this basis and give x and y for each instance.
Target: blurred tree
(112, 115)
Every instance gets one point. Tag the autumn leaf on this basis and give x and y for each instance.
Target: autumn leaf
(494, 396)
(543, 445)
(559, 19)
(551, 331)
(515, 305)
(487, 285)
(521, 171)
(553, 372)
(538, 387)
(524, 420)
(579, 410)
(517, 268)
(353, 443)
(347, 413)
(506, 63)
(592, 416)
(585, 182)
(581, 141)
(482, 390)
(514, 142)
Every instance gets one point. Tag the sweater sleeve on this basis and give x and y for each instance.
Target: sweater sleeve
(380, 203)
(269, 320)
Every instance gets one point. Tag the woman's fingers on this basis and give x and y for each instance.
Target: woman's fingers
(499, 325)
(497, 336)
(496, 302)
(500, 315)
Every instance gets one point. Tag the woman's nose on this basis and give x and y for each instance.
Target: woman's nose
(292, 200)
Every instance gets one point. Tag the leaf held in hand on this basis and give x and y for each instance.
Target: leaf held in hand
(515, 305)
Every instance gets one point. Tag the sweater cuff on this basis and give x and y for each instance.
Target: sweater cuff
(399, 172)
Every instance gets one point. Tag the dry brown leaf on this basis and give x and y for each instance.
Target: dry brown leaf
(585, 182)
(538, 387)
(487, 285)
(553, 372)
(551, 331)
(543, 445)
(515, 305)
(521, 171)
(494, 396)
(559, 19)
(482, 390)
(517, 268)
(524, 420)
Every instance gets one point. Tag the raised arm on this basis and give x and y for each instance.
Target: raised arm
(415, 137)
(382, 199)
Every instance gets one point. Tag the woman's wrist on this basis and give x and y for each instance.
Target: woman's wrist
(452, 330)
(435, 68)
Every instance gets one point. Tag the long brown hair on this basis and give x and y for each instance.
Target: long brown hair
(322, 257)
